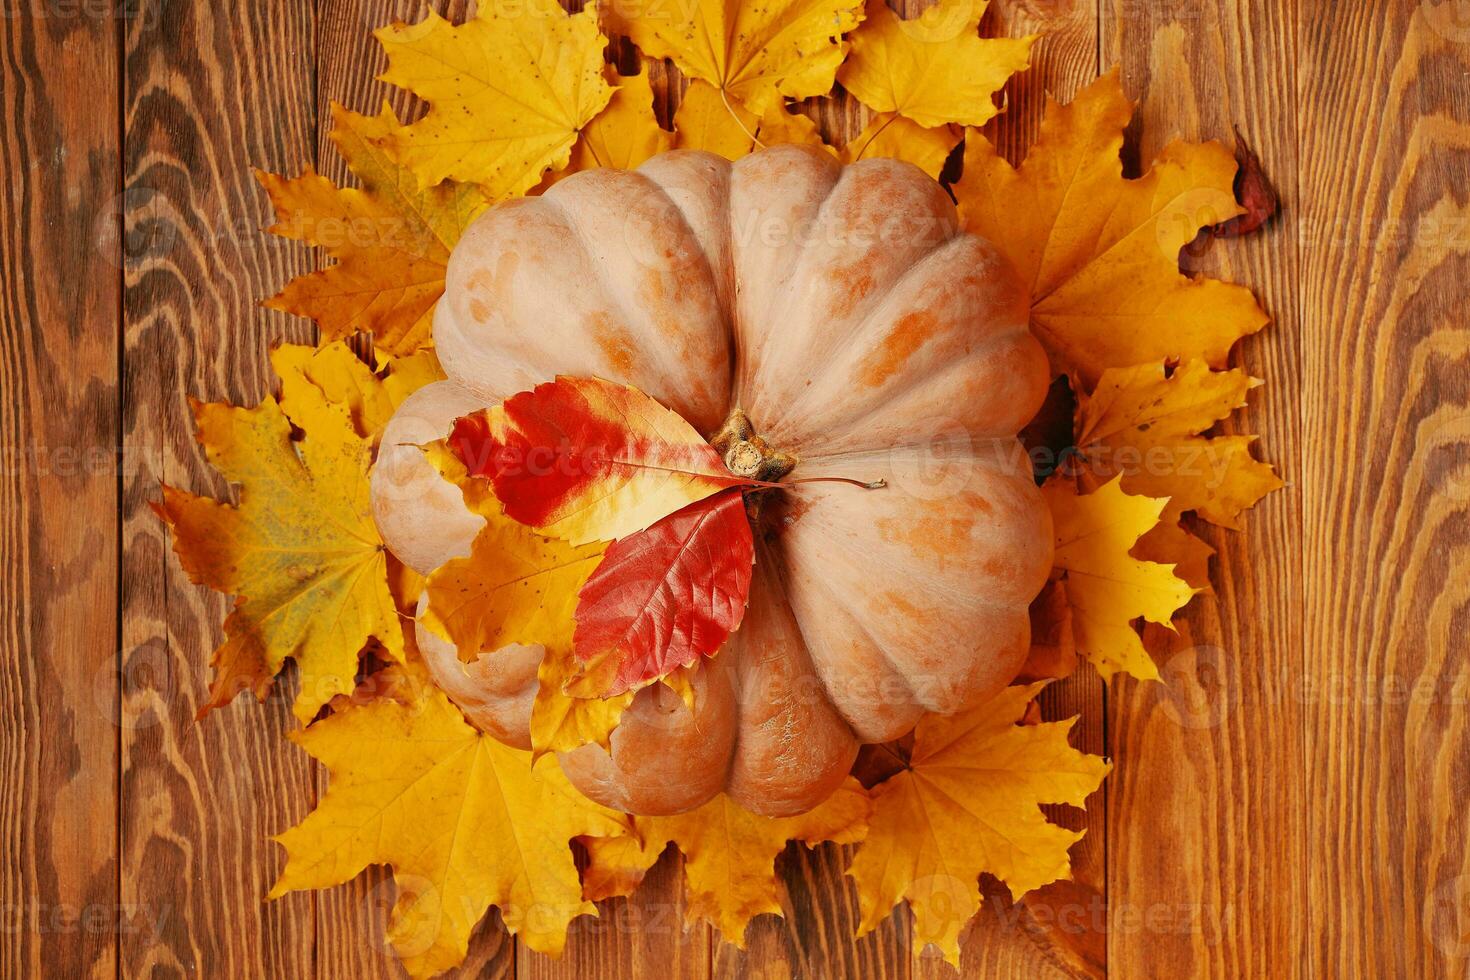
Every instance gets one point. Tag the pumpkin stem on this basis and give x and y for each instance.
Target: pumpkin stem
(748, 455)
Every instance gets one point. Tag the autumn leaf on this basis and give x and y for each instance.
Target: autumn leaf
(516, 586)
(300, 551)
(588, 460)
(1053, 653)
(934, 69)
(464, 821)
(561, 721)
(1170, 544)
(507, 92)
(390, 239)
(370, 397)
(1107, 589)
(623, 135)
(729, 855)
(707, 121)
(1100, 254)
(970, 802)
(755, 53)
(897, 138)
(664, 597)
(1143, 423)
(1258, 199)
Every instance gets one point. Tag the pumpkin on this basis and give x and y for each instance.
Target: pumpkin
(814, 320)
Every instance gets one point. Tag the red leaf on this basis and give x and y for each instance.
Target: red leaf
(1252, 190)
(664, 597)
(588, 460)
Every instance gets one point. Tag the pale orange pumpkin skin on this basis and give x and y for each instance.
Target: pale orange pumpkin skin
(860, 330)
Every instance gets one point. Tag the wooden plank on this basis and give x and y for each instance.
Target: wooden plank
(59, 419)
(1385, 146)
(640, 936)
(1207, 801)
(211, 90)
(351, 920)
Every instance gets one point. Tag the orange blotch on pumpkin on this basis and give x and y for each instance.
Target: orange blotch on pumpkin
(908, 336)
(614, 345)
(935, 537)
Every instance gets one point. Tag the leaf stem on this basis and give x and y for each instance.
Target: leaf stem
(874, 485)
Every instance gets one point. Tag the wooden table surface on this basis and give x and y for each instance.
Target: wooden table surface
(1291, 802)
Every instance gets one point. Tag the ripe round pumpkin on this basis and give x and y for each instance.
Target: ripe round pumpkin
(864, 336)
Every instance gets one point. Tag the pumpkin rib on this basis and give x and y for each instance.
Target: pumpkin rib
(893, 669)
(669, 369)
(846, 268)
(821, 170)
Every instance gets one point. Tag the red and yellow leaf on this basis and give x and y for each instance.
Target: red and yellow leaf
(587, 460)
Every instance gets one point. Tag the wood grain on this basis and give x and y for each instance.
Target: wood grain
(1288, 803)
(60, 253)
(1208, 846)
(1385, 402)
(210, 89)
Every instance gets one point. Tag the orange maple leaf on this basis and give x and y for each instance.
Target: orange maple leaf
(390, 239)
(1101, 253)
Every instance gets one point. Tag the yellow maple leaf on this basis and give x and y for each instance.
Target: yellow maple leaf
(390, 239)
(465, 822)
(755, 53)
(561, 722)
(622, 135)
(1106, 588)
(507, 92)
(705, 120)
(1143, 423)
(893, 136)
(370, 397)
(1100, 254)
(970, 802)
(300, 551)
(730, 855)
(1170, 544)
(934, 69)
(517, 586)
